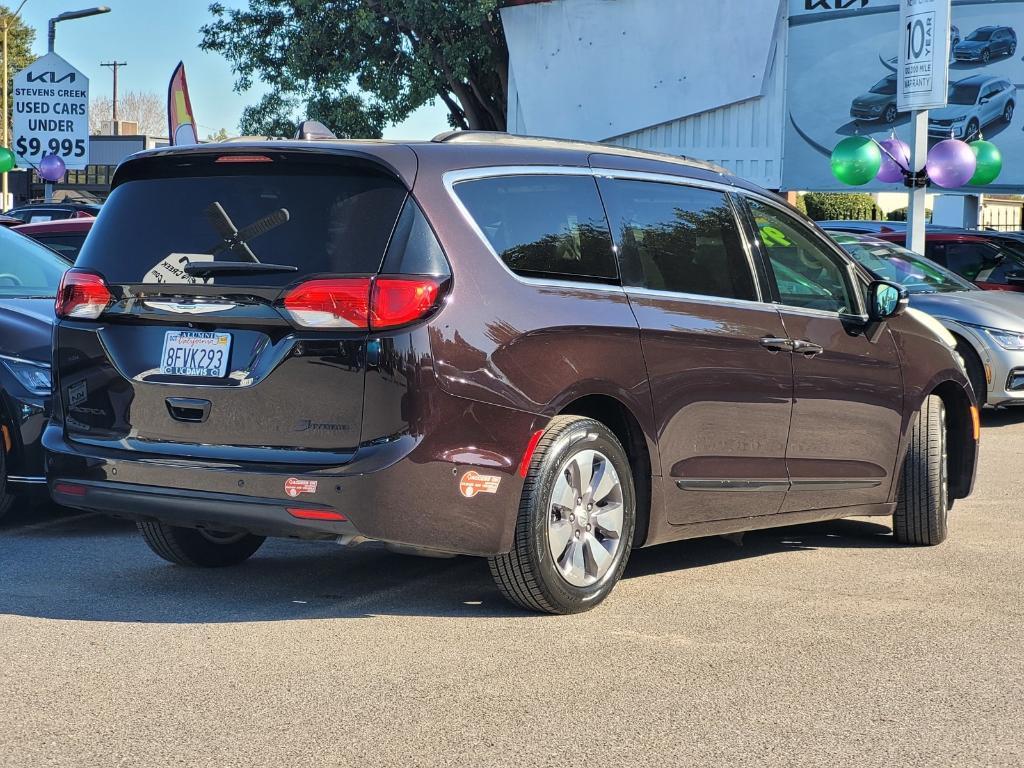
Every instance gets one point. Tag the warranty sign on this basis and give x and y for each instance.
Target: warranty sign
(51, 113)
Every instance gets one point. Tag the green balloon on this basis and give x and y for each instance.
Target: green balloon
(6, 160)
(990, 162)
(856, 160)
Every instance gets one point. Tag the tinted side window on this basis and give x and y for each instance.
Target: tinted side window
(678, 238)
(543, 226)
(974, 261)
(807, 273)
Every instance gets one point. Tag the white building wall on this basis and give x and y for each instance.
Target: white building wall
(746, 137)
(638, 73)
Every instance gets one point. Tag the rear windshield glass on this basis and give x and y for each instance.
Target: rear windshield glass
(323, 218)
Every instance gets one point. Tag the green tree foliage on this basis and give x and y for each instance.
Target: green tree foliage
(361, 65)
(221, 135)
(900, 214)
(841, 205)
(19, 52)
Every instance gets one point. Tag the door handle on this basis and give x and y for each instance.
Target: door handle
(807, 348)
(774, 344)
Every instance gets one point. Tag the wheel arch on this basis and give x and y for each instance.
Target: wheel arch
(623, 423)
(982, 397)
(961, 446)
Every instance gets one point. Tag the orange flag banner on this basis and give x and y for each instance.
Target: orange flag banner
(181, 123)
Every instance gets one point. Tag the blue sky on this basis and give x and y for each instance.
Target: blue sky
(152, 36)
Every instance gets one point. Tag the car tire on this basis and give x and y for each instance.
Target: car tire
(890, 114)
(923, 504)
(975, 370)
(973, 129)
(198, 548)
(986, 56)
(533, 575)
(1013, 49)
(1008, 112)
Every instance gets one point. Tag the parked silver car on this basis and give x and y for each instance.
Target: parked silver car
(988, 326)
(974, 102)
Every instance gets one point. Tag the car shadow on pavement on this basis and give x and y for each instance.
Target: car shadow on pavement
(1001, 417)
(94, 568)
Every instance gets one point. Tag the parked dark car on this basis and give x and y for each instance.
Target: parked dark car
(995, 264)
(987, 326)
(450, 346)
(29, 277)
(64, 237)
(53, 211)
(879, 103)
(984, 43)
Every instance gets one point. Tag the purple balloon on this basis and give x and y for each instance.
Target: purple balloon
(52, 168)
(892, 172)
(951, 164)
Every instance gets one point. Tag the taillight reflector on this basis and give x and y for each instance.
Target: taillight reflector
(82, 294)
(368, 303)
(316, 514)
(67, 489)
(524, 463)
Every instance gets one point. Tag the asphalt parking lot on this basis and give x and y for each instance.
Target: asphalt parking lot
(813, 645)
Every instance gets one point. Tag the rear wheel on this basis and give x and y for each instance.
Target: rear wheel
(923, 504)
(198, 548)
(576, 520)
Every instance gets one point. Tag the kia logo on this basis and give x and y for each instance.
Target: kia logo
(833, 5)
(51, 77)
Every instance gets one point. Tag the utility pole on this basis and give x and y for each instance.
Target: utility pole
(115, 65)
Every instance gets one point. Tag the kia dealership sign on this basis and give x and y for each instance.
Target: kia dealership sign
(51, 113)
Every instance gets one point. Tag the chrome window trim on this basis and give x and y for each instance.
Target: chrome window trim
(699, 298)
(451, 178)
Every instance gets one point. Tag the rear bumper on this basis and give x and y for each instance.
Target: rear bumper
(405, 491)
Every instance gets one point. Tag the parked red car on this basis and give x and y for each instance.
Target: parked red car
(988, 264)
(64, 236)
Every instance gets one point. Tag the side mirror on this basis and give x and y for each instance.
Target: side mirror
(886, 300)
(985, 100)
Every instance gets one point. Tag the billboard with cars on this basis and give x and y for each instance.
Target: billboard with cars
(842, 81)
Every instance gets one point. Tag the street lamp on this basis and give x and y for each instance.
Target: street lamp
(68, 16)
(51, 39)
(6, 119)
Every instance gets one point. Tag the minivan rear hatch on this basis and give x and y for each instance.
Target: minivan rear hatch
(196, 353)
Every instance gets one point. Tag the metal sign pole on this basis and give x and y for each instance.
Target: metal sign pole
(918, 194)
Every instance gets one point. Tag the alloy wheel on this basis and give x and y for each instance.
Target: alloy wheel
(585, 518)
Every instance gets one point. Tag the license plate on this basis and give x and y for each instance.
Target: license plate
(195, 353)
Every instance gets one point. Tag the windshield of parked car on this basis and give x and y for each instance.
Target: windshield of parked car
(891, 262)
(886, 86)
(963, 93)
(28, 269)
(980, 35)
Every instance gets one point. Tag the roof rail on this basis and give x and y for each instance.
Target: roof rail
(501, 137)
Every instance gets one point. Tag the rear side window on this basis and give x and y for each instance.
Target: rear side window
(323, 217)
(67, 246)
(543, 226)
(678, 238)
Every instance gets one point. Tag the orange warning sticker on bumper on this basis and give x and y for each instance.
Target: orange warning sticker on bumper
(473, 483)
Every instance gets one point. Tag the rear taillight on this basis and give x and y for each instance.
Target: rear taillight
(342, 303)
(368, 303)
(82, 295)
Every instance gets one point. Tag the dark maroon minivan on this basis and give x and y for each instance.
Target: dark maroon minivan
(544, 353)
